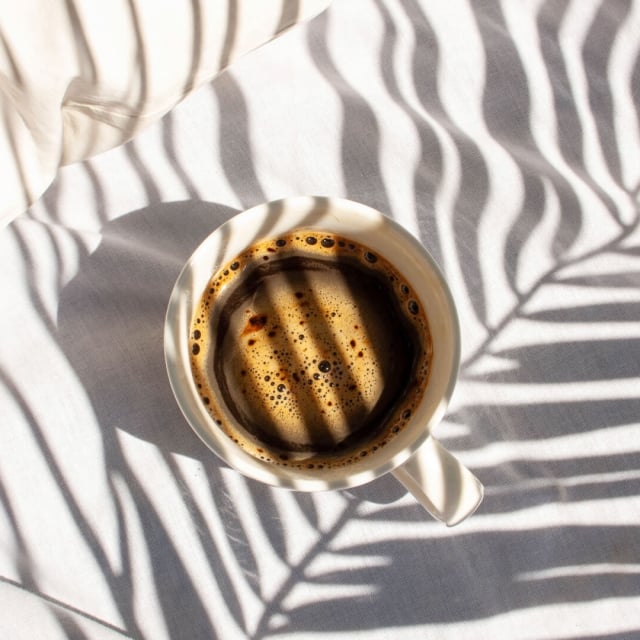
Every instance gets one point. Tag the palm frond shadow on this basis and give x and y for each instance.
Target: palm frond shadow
(436, 577)
(570, 361)
(570, 480)
(507, 113)
(567, 480)
(537, 563)
(473, 192)
(359, 153)
(604, 29)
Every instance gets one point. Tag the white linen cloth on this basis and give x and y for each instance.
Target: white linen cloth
(506, 136)
(77, 77)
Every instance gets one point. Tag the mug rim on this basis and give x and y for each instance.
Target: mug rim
(282, 216)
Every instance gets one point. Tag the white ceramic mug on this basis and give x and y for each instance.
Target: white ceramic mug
(445, 488)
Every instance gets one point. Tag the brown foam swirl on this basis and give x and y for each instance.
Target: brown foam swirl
(318, 346)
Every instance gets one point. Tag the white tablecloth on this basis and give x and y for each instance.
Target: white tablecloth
(506, 136)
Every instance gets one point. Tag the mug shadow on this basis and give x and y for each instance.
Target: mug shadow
(122, 290)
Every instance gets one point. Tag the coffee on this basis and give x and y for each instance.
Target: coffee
(310, 349)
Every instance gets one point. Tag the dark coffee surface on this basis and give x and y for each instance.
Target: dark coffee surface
(312, 354)
(316, 347)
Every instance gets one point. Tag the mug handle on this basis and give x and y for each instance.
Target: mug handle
(441, 483)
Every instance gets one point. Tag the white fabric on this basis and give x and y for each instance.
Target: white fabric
(77, 77)
(506, 136)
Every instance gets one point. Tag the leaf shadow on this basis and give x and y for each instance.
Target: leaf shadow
(602, 312)
(123, 288)
(125, 284)
(540, 566)
(569, 361)
(493, 422)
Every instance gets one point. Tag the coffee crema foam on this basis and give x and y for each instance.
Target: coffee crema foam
(310, 350)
